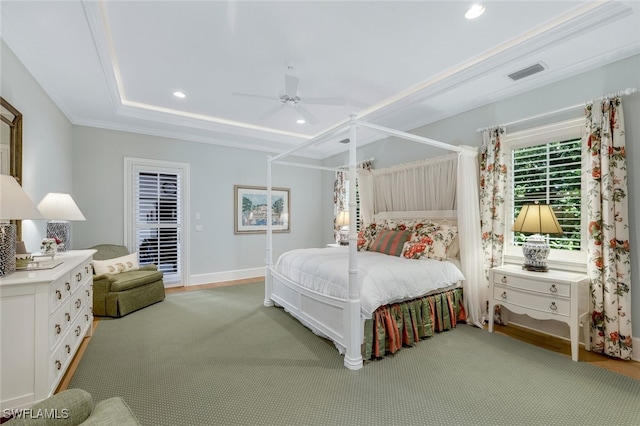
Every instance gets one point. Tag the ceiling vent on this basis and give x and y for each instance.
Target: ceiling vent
(526, 72)
(345, 140)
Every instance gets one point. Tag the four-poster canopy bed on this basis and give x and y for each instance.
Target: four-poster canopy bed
(339, 307)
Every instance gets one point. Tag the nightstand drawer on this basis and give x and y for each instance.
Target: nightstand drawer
(541, 303)
(543, 286)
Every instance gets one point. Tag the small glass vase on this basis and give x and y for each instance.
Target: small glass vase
(49, 246)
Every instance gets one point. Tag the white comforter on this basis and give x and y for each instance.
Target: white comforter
(383, 279)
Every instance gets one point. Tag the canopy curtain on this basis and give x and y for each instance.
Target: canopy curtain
(608, 256)
(493, 189)
(448, 182)
(424, 185)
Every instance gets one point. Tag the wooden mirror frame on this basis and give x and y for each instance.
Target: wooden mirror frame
(15, 148)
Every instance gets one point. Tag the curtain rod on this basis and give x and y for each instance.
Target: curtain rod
(627, 91)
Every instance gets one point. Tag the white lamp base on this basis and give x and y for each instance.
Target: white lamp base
(7, 249)
(62, 231)
(536, 252)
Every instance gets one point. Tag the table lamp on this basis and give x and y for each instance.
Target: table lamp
(536, 219)
(60, 209)
(343, 222)
(14, 204)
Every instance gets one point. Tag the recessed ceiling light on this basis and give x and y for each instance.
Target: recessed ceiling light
(300, 121)
(474, 11)
(179, 94)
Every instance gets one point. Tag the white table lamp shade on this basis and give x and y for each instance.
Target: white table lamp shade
(14, 204)
(58, 206)
(60, 209)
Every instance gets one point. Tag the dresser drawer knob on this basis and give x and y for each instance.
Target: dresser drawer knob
(88, 293)
(67, 316)
(57, 328)
(504, 280)
(504, 295)
(78, 303)
(86, 269)
(58, 364)
(79, 276)
(553, 306)
(553, 288)
(67, 285)
(59, 294)
(86, 317)
(78, 330)
(68, 348)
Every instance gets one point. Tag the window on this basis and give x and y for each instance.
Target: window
(547, 168)
(155, 216)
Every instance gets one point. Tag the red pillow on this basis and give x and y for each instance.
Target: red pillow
(390, 242)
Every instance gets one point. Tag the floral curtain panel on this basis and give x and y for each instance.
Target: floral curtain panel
(608, 256)
(493, 189)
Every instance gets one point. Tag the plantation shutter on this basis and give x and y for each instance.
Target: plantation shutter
(550, 174)
(158, 221)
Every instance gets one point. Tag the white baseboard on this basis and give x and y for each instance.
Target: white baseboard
(217, 277)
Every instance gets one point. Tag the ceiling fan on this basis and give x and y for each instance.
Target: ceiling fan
(290, 96)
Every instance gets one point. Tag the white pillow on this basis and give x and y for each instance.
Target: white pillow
(116, 265)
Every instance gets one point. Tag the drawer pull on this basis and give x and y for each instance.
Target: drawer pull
(78, 330)
(86, 317)
(79, 276)
(67, 285)
(67, 316)
(504, 295)
(553, 306)
(88, 292)
(58, 365)
(553, 288)
(504, 280)
(59, 294)
(78, 303)
(57, 328)
(68, 348)
(86, 269)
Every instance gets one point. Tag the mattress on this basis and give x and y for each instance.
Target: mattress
(382, 279)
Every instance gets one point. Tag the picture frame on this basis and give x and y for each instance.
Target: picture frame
(250, 211)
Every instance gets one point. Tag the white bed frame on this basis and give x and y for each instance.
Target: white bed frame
(337, 319)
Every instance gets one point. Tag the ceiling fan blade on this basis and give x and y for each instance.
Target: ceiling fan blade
(272, 111)
(311, 119)
(291, 85)
(325, 101)
(250, 95)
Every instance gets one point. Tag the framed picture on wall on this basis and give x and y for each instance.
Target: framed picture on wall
(250, 209)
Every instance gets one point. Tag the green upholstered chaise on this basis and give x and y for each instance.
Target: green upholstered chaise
(73, 407)
(116, 295)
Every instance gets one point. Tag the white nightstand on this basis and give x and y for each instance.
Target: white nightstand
(557, 295)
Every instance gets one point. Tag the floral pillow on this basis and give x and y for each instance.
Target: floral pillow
(116, 265)
(366, 236)
(436, 238)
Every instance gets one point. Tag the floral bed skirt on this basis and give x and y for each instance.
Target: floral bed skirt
(404, 324)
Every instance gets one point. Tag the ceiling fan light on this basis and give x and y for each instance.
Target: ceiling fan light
(474, 11)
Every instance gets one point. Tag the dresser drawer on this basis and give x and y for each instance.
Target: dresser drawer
(528, 300)
(80, 274)
(58, 324)
(550, 287)
(59, 290)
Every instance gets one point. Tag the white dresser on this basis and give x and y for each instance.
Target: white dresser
(44, 315)
(557, 295)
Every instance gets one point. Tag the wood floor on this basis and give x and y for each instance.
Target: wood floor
(627, 368)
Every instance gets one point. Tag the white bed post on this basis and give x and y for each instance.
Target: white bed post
(268, 281)
(353, 355)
